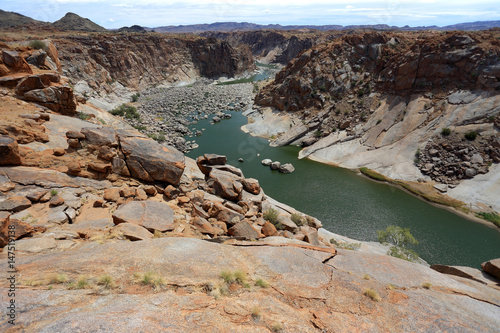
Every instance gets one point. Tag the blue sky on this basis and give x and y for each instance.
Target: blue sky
(153, 13)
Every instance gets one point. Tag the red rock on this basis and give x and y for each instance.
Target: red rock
(203, 226)
(243, 229)
(15, 62)
(59, 151)
(106, 153)
(57, 98)
(214, 159)
(132, 231)
(99, 167)
(73, 143)
(35, 196)
(140, 194)
(251, 185)
(150, 190)
(268, 229)
(18, 229)
(226, 185)
(492, 267)
(74, 167)
(37, 81)
(183, 200)
(75, 135)
(9, 151)
(112, 194)
(127, 192)
(56, 200)
(171, 192)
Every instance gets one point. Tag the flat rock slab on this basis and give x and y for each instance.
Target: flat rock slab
(15, 204)
(50, 178)
(152, 215)
(492, 267)
(132, 231)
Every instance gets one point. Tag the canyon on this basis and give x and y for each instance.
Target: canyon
(115, 231)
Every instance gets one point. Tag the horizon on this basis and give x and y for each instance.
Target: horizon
(114, 14)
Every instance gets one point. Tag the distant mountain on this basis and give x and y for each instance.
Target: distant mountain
(134, 28)
(245, 26)
(72, 21)
(11, 19)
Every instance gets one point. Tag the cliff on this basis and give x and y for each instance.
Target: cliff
(270, 46)
(386, 101)
(139, 61)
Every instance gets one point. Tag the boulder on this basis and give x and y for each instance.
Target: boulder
(226, 185)
(214, 159)
(100, 167)
(268, 229)
(15, 204)
(18, 228)
(37, 81)
(98, 137)
(148, 160)
(132, 231)
(152, 215)
(15, 62)
(266, 162)
(275, 165)
(492, 267)
(243, 229)
(57, 98)
(251, 185)
(477, 159)
(75, 135)
(37, 59)
(9, 151)
(286, 168)
(204, 226)
(470, 172)
(56, 200)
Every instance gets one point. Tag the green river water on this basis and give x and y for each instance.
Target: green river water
(347, 203)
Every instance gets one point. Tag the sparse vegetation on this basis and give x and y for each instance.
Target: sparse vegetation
(126, 111)
(272, 215)
(297, 218)
(373, 174)
(491, 217)
(37, 44)
(471, 136)
(318, 134)
(53, 193)
(135, 97)
(261, 283)
(366, 277)
(106, 281)
(84, 116)
(256, 312)
(276, 327)
(426, 285)
(151, 279)
(373, 294)
(400, 238)
(445, 131)
(57, 279)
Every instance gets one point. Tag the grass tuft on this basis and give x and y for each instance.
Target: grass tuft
(372, 294)
(107, 281)
(261, 283)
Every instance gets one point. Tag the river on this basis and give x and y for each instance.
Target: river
(347, 203)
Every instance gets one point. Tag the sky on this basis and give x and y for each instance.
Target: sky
(113, 14)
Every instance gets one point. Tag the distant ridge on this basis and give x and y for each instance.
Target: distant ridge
(11, 19)
(245, 26)
(72, 21)
(134, 28)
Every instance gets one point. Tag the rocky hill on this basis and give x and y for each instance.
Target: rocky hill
(384, 100)
(105, 229)
(11, 19)
(72, 21)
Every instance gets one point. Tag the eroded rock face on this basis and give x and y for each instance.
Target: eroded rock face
(15, 62)
(57, 98)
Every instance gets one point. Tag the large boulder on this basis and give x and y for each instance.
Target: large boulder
(286, 168)
(15, 62)
(9, 151)
(152, 215)
(98, 137)
(226, 184)
(38, 81)
(243, 230)
(57, 98)
(148, 160)
(132, 231)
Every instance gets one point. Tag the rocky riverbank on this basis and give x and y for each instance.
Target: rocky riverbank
(166, 112)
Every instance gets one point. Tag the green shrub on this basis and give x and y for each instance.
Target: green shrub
(126, 111)
(297, 218)
(427, 285)
(318, 134)
(135, 97)
(84, 116)
(272, 215)
(471, 136)
(37, 45)
(492, 217)
(400, 238)
(445, 131)
(261, 283)
(107, 281)
(227, 276)
(53, 193)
